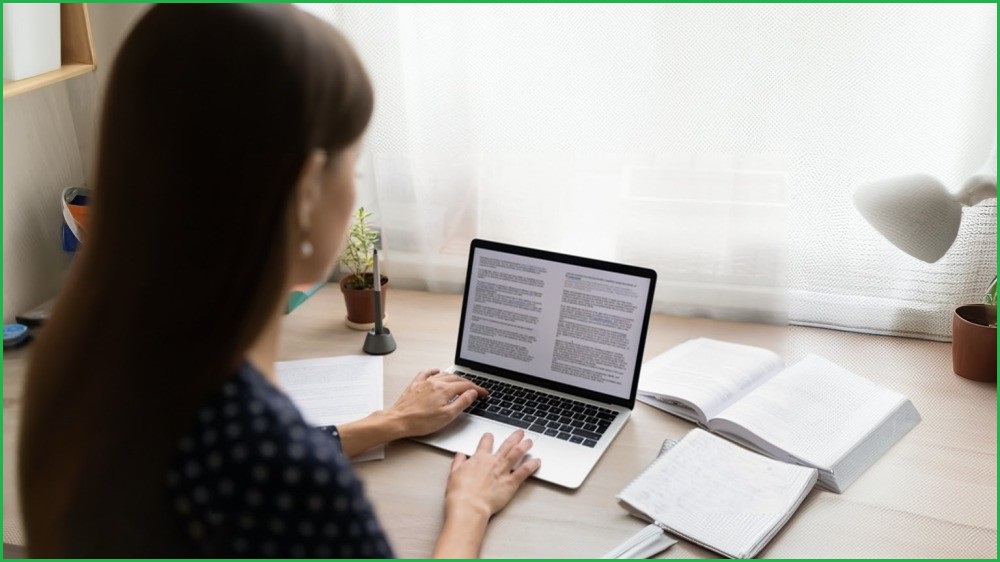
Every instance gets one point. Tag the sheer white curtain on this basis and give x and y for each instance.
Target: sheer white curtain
(718, 144)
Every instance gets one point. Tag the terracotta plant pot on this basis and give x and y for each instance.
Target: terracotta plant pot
(974, 342)
(360, 304)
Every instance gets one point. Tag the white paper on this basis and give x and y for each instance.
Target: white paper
(335, 390)
(648, 542)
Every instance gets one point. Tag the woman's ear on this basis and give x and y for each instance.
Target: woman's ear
(307, 192)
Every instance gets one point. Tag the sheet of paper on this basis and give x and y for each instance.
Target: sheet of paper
(335, 390)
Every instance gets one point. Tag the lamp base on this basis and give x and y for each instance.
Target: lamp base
(379, 344)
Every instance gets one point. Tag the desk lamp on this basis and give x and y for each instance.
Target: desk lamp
(921, 217)
(917, 213)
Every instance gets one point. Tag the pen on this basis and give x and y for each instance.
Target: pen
(377, 282)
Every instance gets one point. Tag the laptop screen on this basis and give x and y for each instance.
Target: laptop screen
(562, 322)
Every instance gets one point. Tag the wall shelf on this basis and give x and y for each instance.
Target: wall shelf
(77, 52)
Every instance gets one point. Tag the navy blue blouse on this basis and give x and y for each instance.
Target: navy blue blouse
(252, 479)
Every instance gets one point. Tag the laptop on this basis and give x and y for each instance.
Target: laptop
(557, 341)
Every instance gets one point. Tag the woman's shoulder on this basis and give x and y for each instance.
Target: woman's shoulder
(252, 477)
(250, 421)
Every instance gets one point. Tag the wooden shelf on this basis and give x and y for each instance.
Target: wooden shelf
(77, 52)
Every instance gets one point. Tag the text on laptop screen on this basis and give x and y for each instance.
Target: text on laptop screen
(561, 322)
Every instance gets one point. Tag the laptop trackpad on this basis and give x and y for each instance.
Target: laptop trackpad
(463, 434)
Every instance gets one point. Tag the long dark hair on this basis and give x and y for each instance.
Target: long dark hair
(209, 115)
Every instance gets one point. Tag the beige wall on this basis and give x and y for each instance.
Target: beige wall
(48, 142)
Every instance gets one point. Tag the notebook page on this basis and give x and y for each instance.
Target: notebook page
(718, 494)
(815, 410)
(708, 373)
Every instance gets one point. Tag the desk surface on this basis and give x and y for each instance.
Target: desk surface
(934, 494)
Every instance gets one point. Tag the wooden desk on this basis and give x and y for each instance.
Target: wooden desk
(934, 494)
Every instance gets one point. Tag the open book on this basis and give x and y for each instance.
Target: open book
(717, 494)
(814, 413)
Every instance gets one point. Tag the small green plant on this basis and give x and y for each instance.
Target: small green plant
(357, 256)
(991, 302)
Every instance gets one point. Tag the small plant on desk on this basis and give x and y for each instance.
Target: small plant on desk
(358, 285)
(974, 338)
(357, 256)
(991, 303)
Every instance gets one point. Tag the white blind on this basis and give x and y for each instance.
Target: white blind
(718, 144)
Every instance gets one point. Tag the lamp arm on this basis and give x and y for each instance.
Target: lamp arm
(979, 187)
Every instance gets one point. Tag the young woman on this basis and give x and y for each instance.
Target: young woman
(152, 422)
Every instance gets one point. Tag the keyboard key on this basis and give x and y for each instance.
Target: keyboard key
(528, 418)
(589, 443)
(575, 439)
(563, 435)
(551, 432)
(537, 428)
(586, 434)
(503, 419)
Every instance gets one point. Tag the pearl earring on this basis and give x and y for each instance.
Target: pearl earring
(306, 248)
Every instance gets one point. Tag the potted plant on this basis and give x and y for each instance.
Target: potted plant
(358, 284)
(974, 338)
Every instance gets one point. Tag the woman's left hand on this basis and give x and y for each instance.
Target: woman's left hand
(432, 400)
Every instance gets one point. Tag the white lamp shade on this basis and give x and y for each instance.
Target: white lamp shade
(916, 213)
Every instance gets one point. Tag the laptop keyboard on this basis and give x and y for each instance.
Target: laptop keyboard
(532, 410)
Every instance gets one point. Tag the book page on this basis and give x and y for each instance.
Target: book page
(335, 390)
(708, 374)
(815, 410)
(719, 494)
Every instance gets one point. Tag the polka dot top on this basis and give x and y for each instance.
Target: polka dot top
(252, 479)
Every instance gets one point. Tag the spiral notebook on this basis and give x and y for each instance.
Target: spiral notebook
(717, 494)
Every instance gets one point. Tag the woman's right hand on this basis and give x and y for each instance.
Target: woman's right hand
(478, 487)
